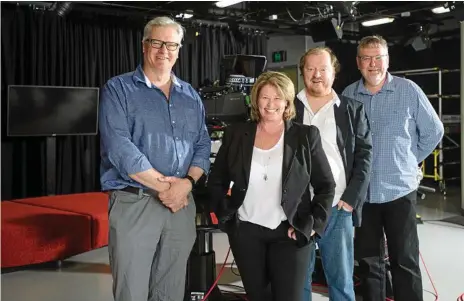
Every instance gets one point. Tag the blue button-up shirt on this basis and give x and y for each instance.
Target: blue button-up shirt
(405, 130)
(140, 129)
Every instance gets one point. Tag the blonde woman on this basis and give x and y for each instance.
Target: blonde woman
(270, 216)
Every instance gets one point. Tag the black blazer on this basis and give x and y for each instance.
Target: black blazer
(355, 145)
(304, 162)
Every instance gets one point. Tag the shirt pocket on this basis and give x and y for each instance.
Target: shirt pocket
(192, 136)
(398, 121)
(192, 118)
(149, 116)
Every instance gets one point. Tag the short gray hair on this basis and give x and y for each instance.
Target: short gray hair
(161, 22)
(373, 41)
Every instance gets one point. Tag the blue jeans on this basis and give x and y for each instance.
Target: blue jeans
(336, 248)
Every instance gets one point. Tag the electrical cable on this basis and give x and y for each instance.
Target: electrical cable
(232, 286)
(435, 293)
(238, 296)
(217, 278)
(232, 269)
(430, 277)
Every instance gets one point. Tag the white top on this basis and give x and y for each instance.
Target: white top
(324, 120)
(262, 204)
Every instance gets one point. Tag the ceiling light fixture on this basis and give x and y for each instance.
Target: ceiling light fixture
(273, 17)
(225, 3)
(440, 10)
(184, 16)
(377, 22)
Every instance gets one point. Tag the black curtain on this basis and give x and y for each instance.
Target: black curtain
(40, 48)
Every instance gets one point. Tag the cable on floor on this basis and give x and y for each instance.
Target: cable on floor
(435, 293)
(430, 277)
(217, 278)
(240, 295)
(242, 290)
(232, 269)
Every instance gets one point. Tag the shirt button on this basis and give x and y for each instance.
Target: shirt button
(173, 121)
(177, 138)
(177, 172)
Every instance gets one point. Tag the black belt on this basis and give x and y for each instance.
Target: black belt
(140, 191)
(131, 190)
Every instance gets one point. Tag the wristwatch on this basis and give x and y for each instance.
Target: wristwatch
(192, 180)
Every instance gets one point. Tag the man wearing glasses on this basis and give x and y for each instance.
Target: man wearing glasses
(154, 147)
(405, 129)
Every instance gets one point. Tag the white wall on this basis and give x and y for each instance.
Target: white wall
(294, 45)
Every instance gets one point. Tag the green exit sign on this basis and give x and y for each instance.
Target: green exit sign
(279, 56)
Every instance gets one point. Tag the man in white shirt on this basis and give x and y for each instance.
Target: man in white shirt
(347, 143)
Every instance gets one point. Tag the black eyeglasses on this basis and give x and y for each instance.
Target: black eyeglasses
(377, 58)
(171, 46)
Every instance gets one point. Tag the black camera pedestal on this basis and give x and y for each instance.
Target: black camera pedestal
(201, 266)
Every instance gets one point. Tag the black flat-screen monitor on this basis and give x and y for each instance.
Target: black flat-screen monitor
(52, 111)
(240, 64)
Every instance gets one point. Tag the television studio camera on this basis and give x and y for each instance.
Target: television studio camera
(225, 104)
(229, 102)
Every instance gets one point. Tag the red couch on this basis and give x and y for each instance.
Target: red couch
(32, 234)
(94, 205)
(38, 230)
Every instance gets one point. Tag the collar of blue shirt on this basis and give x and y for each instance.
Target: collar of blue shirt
(139, 76)
(389, 85)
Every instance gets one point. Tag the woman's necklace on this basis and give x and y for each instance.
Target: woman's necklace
(268, 155)
(266, 167)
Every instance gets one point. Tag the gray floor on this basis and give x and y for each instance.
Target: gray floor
(86, 277)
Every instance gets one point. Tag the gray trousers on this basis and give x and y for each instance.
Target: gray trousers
(149, 247)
